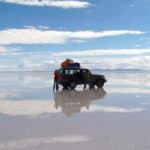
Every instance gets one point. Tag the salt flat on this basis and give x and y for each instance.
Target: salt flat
(33, 117)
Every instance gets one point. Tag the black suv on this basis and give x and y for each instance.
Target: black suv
(71, 77)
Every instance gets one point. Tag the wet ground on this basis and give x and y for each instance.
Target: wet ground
(33, 117)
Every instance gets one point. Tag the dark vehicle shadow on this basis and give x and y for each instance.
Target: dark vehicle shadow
(71, 101)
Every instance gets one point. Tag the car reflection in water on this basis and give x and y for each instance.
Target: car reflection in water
(71, 101)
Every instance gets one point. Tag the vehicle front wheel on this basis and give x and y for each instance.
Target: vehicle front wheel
(91, 85)
(72, 85)
(99, 84)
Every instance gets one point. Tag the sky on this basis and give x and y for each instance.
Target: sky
(100, 34)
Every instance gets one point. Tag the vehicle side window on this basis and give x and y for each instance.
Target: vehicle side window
(66, 72)
(84, 71)
(72, 71)
(69, 72)
(77, 71)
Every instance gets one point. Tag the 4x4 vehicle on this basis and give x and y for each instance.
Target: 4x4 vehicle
(71, 77)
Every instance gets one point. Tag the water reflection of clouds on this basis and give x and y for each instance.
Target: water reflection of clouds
(27, 107)
(35, 108)
(30, 120)
(25, 94)
(37, 141)
(127, 90)
(25, 79)
(137, 79)
(128, 82)
(113, 109)
(31, 94)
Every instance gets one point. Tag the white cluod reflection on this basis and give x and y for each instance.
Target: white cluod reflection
(27, 108)
(19, 144)
(95, 108)
(36, 108)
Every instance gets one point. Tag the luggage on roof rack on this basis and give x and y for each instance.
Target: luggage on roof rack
(74, 65)
(66, 63)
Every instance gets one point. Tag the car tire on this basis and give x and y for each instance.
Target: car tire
(91, 85)
(72, 85)
(65, 86)
(99, 83)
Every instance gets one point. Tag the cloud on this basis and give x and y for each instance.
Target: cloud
(93, 59)
(103, 52)
(108, 58)
(16, 59)
(39, 36)
(2, 50)
(9, 51)
(93, 34)
(51, 3)
(94, 63)
(7, 67)
(29, 64)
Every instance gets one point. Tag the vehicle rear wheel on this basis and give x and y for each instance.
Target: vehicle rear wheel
(72, 85)
(65, 86)
(99, 83)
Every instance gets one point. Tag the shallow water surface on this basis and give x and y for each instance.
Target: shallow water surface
(33, 117)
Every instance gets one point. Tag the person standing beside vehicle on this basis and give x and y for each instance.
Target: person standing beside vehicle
(56, 79)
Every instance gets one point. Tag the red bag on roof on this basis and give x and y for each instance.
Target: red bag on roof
(66, 63)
